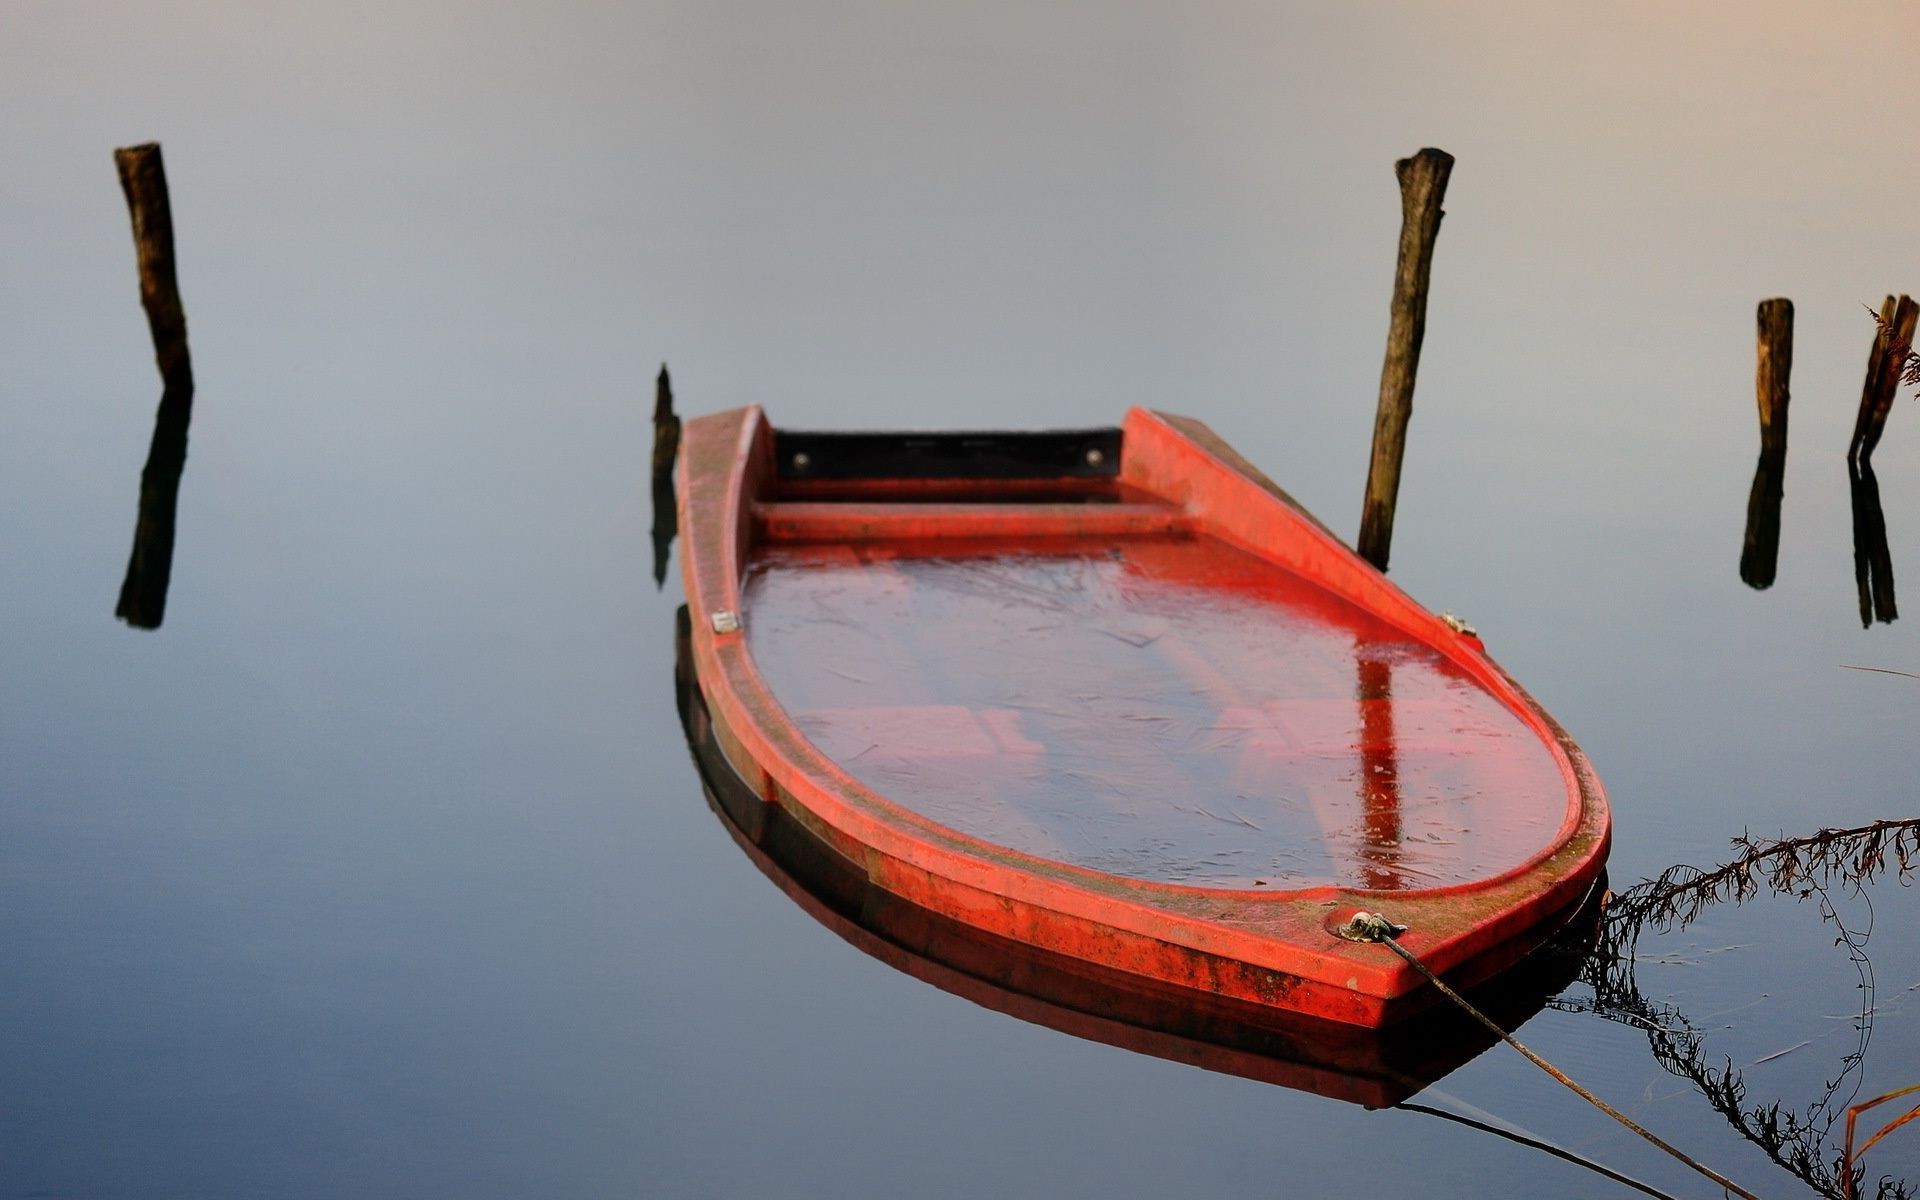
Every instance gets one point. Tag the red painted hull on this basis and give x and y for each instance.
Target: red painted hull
(1375, 1068)
(1153, 718)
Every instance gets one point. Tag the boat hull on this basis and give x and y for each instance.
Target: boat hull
(1373, 1068)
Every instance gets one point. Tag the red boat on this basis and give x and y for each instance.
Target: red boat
(1113, 695)
(1373, 1067)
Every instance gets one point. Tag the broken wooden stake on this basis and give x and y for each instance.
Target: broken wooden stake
(1884, 365)
(1760, 550)
(666, 448)
(1423, 185)
(143, 593)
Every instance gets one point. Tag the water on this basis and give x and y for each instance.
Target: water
(382, 868)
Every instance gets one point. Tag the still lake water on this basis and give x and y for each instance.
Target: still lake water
(382, 868)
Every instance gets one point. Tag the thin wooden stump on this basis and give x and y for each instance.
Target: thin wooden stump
(1423, 185)
(143, 593)
(1760, 550)
(666, 448)
(1872, 560)
(1885, 362)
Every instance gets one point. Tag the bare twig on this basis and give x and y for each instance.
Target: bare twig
(1879, 671)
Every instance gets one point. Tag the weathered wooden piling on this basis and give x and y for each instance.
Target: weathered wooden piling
(666, 448)
(1773, 367)
(1423, 186)
(1885, 362)
(143, 593)
(1760, 549)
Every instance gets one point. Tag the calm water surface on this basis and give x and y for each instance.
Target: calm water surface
(382, 869)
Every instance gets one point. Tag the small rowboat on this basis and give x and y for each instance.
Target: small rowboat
(1113, 695)
(1377, 1068)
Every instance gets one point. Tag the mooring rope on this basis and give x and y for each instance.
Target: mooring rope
(1372, 927)
(1533, 1143)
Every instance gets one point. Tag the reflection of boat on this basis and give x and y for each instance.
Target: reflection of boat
(1112, 695)
(1370, 1067)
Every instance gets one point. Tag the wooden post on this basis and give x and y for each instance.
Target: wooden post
(1774, 367)
(666, 448)
(1760, 550)
(143, 593)
(1884, 364)
(1423, 185)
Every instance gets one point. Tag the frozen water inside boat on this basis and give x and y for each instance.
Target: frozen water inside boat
(1163, 708)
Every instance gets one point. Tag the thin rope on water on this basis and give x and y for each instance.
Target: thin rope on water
(1372, 927)
(1533, 1143)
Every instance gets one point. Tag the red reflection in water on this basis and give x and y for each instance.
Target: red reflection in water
(1379, 775)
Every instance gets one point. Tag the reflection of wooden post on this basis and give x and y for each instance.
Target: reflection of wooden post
(1423, 185)
(1760, 552)
(143, 594)
(1872, 560)
(666, 448)
(1379, 777)
(1884, 364)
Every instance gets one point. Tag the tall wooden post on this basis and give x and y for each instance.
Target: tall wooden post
(143, 593)
(1423, 185)
(1760, 550)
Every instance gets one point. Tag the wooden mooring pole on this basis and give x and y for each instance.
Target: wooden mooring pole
(666, 448)
(1423, 186)
(1884, 365)
(143, 593)
(1773, 368)
(1760, 549)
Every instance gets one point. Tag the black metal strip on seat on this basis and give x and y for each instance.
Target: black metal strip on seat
(1047, 454)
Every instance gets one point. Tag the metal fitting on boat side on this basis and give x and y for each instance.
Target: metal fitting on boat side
(1369, 927)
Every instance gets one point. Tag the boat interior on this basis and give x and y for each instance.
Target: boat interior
(1016, 637)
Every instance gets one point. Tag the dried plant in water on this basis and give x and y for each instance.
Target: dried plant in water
(1853, 1153)
(1800, 1141)
(1909, 358)
(1849, 858)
